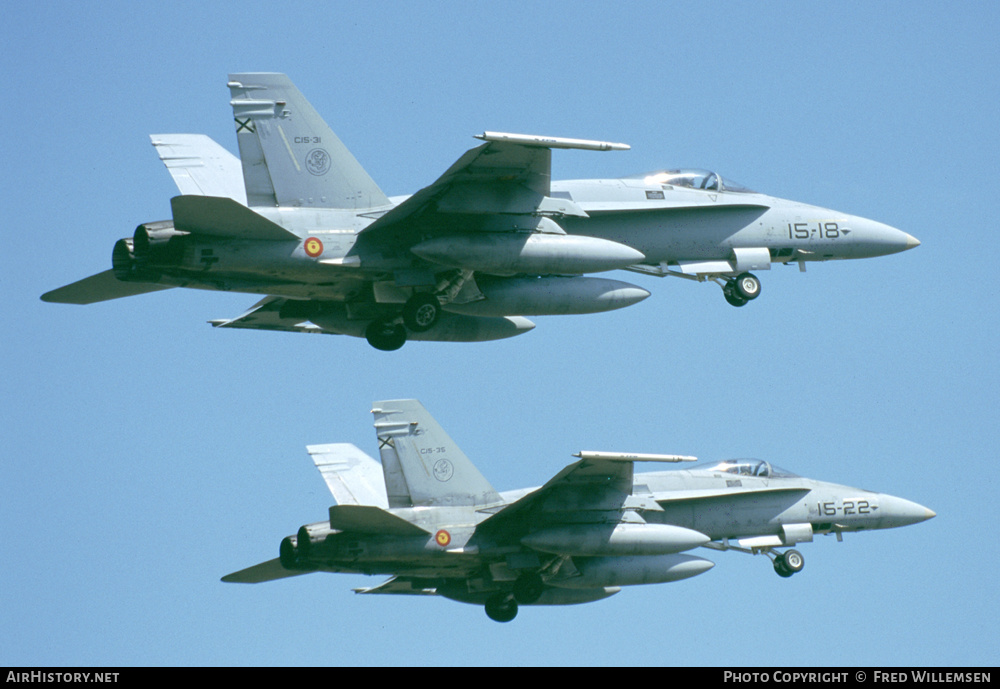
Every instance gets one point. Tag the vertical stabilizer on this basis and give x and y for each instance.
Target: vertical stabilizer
(422, 465)
(353, 477)
(290, 156)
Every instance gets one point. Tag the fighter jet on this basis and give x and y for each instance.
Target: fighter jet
(465, 259)
(427, 517)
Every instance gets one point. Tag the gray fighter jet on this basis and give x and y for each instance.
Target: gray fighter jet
(430, 519)
(464, 259)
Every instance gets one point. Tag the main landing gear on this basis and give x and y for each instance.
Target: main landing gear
(502, 606)
(420, 313)
(741, 289)
(788, 563)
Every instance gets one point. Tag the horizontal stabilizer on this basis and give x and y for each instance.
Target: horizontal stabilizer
(100, 287)
(200, 166)
(265, 571)
(220, 217)
(371, 520)
(353, 477)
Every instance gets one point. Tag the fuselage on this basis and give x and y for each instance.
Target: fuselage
(669, 224)
(735, 499)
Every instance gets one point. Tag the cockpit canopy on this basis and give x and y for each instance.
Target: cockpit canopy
(746, 467)
(692, 179)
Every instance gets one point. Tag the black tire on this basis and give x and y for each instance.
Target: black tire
(528, 588)
(781, 568)
(385, 335)
(747, 286)
(729, 292)
(500, 607)
(421, 312)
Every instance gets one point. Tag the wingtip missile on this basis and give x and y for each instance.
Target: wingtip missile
(633, 457)
(552, 141)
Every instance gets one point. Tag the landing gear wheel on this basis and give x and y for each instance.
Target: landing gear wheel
(500, 607)
(747, 286)
(729, 292)
(385, 335)
(781, 568)
(421, 312)
(528, 588)
(794, 562)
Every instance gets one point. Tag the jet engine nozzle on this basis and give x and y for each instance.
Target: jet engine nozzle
(310, 536)
(123, 260)
(154, 243)
(288, 553)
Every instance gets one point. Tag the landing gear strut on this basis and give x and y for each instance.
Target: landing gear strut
(528, 588)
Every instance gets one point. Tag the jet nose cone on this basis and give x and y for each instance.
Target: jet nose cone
(900, 512)
(872, 238)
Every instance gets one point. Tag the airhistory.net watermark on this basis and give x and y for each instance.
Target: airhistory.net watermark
(30, 676)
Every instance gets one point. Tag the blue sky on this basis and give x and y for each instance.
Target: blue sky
(145, 454)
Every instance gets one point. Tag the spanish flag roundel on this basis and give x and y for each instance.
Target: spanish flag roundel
(313, 247)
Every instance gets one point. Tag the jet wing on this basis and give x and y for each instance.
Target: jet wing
(200, 166)
(598, 483)
(510, 174)
(266, 315)
(401, 586)
(100, 287)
